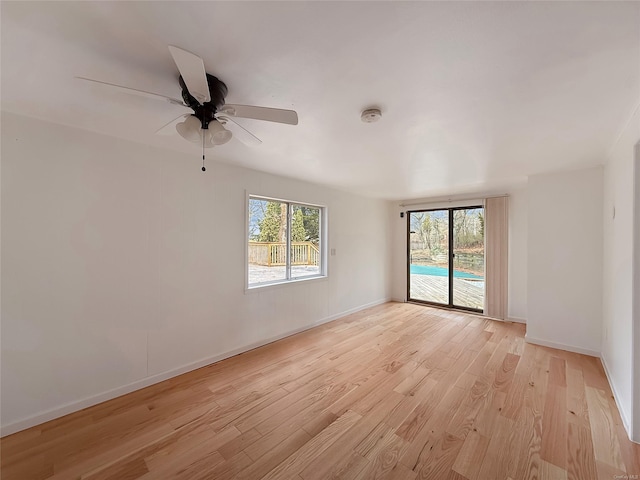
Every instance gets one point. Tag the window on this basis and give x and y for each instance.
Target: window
(284, 241)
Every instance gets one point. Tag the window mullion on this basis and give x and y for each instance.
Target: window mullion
(323, 260)
(288, 262)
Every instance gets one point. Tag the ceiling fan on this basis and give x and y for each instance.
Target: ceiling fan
(211, 122)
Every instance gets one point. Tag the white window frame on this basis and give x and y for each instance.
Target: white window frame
(322, 234)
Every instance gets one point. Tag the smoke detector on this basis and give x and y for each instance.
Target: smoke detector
(371, 115)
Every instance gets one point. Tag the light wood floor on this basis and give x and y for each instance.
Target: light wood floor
(398, 391)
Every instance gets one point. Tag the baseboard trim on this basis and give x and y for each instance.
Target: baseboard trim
(625, 420)
(517, 320)
(75, 406)
(561, 346)
(340, 315)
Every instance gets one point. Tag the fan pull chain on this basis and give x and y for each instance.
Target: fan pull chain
(203, 169)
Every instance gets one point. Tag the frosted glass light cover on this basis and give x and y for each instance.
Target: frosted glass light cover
(190, 129)
(217, 134)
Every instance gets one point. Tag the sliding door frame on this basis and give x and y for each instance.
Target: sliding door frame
(451, 256)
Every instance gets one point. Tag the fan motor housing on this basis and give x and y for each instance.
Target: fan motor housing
(206, 112)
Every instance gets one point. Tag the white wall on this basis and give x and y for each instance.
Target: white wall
(634, 431)
(518, 236)
(398, 253)
(517, 286)
(617, 328)
(564, 284)
(123, 264)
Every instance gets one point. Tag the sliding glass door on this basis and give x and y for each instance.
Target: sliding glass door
(445, 257)
(429, 256)
(468, 258)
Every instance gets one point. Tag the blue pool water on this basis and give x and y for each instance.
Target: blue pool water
(441, 272)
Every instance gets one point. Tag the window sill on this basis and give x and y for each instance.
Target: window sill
(276, 284)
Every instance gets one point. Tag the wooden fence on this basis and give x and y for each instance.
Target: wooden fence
(275, 253)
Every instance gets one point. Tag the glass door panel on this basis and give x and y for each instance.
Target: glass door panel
(428, 251)
(305, 241)
(468, 258)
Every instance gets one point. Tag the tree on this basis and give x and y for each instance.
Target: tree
(257, 210)
(282, 233)
(298, 232)
(271, 224)
(311, 220)
(425, 231)
(460, 228)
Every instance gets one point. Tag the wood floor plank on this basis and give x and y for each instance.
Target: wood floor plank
(335, 460)
(485, 422)
(301, 458)
(435, 427)
(503, 452)
(557, 372)
(552, 472)
(383, 457)
(306, 409)
(438, 461)
(604, 437)
(576, 398)
(527, 360)
(465, 416)
(239, 443)
(274, 456)
(205, 470)
(471, 455)
(90, 461)
(396, 391)
(429, 394)
(593, 373)
(554, 426)
(505, 372)
(581, 462)
(252, 405)
(134, 468)
(514, 397)
(37, 468)
(606, 471)
(530, 419)
(400, 472)
(163, 453)
(630, 451)
(188, 463)
(344, 464)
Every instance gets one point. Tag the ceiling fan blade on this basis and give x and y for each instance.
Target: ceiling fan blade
(191, 68)
(135, 91)
(290, 117)
(241, 133)
(170, 128)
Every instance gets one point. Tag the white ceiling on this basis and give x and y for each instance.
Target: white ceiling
(475, 96)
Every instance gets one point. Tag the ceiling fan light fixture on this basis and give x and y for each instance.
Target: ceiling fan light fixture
(190, 129)
(216, 134)
(205, 95)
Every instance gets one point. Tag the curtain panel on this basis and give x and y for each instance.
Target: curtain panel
(496, 256)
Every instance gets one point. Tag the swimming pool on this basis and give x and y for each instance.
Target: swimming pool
(441, 272)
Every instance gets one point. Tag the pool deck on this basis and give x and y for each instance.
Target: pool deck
(431, 288)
